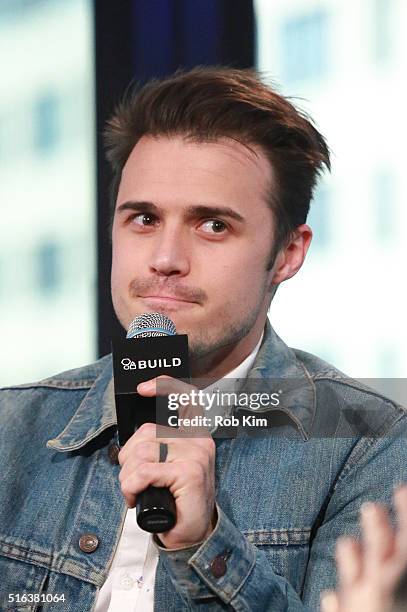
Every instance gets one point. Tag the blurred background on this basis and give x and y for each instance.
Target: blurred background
(65, 64)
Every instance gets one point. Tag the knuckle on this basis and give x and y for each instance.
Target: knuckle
(147, 429)
(196, 470)
(147, 452)
(201, 456)
(144, 470)
(209, 445)
(142, 451)
(126, 488)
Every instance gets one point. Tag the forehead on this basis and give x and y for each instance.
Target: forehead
(178, 168)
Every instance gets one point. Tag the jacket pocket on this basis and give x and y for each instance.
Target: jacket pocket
(287, 551)
(21, 582)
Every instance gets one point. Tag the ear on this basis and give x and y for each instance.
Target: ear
(291, 257)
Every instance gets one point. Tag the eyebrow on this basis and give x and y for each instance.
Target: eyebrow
(200, 210)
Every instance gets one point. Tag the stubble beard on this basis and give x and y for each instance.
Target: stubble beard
(207, 347)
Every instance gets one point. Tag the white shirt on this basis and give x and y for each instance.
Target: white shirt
(129, 586)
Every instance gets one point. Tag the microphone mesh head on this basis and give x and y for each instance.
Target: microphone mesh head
(151, 324)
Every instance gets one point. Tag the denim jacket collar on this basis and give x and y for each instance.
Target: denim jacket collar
(95, 414)
(275, 360)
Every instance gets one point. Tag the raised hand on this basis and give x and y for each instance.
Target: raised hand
(369, 571)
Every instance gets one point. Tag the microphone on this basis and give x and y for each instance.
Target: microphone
(155, 506)
(158, 350)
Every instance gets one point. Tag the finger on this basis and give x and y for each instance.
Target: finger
(193, 421)
(146, 432)
(187, 399)
(400, 503)
(144, 452)
(378, 537)
(179, 443)
(348, 561)
(190, 405)
(157, 475)
(329, 602)
(163, 385)
(161, 433)
(146, 474)
(193, 425)
(144, 449)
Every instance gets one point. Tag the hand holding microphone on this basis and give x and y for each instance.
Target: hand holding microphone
(188, 471)
(169, 477)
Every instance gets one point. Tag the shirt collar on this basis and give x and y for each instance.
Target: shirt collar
(272, 360)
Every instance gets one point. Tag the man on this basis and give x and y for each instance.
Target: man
(213, 176)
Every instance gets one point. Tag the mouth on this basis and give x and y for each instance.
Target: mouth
(166, 300)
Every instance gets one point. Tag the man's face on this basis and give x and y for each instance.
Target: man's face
(192, 235)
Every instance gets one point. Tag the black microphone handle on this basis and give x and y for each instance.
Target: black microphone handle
(156, 510)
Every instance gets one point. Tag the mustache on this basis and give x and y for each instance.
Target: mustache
(140, 287)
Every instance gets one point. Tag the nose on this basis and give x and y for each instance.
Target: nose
(170, 256)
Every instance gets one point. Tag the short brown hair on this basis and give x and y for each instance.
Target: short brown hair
(208, 103)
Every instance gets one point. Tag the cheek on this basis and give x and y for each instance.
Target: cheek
(123, 264)
(241, 274)
(237, 287)
(116, 271)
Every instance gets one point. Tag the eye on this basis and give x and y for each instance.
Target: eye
(143, 219)
(214, 226)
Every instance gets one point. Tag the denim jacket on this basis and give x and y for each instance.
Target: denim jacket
(283, 499)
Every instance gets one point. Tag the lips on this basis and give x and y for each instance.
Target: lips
(166, 297)
(168, 291)
(168, 304)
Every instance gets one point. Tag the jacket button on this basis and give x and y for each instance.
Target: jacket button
(113, 453)
(218, 567)
(88, 543)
